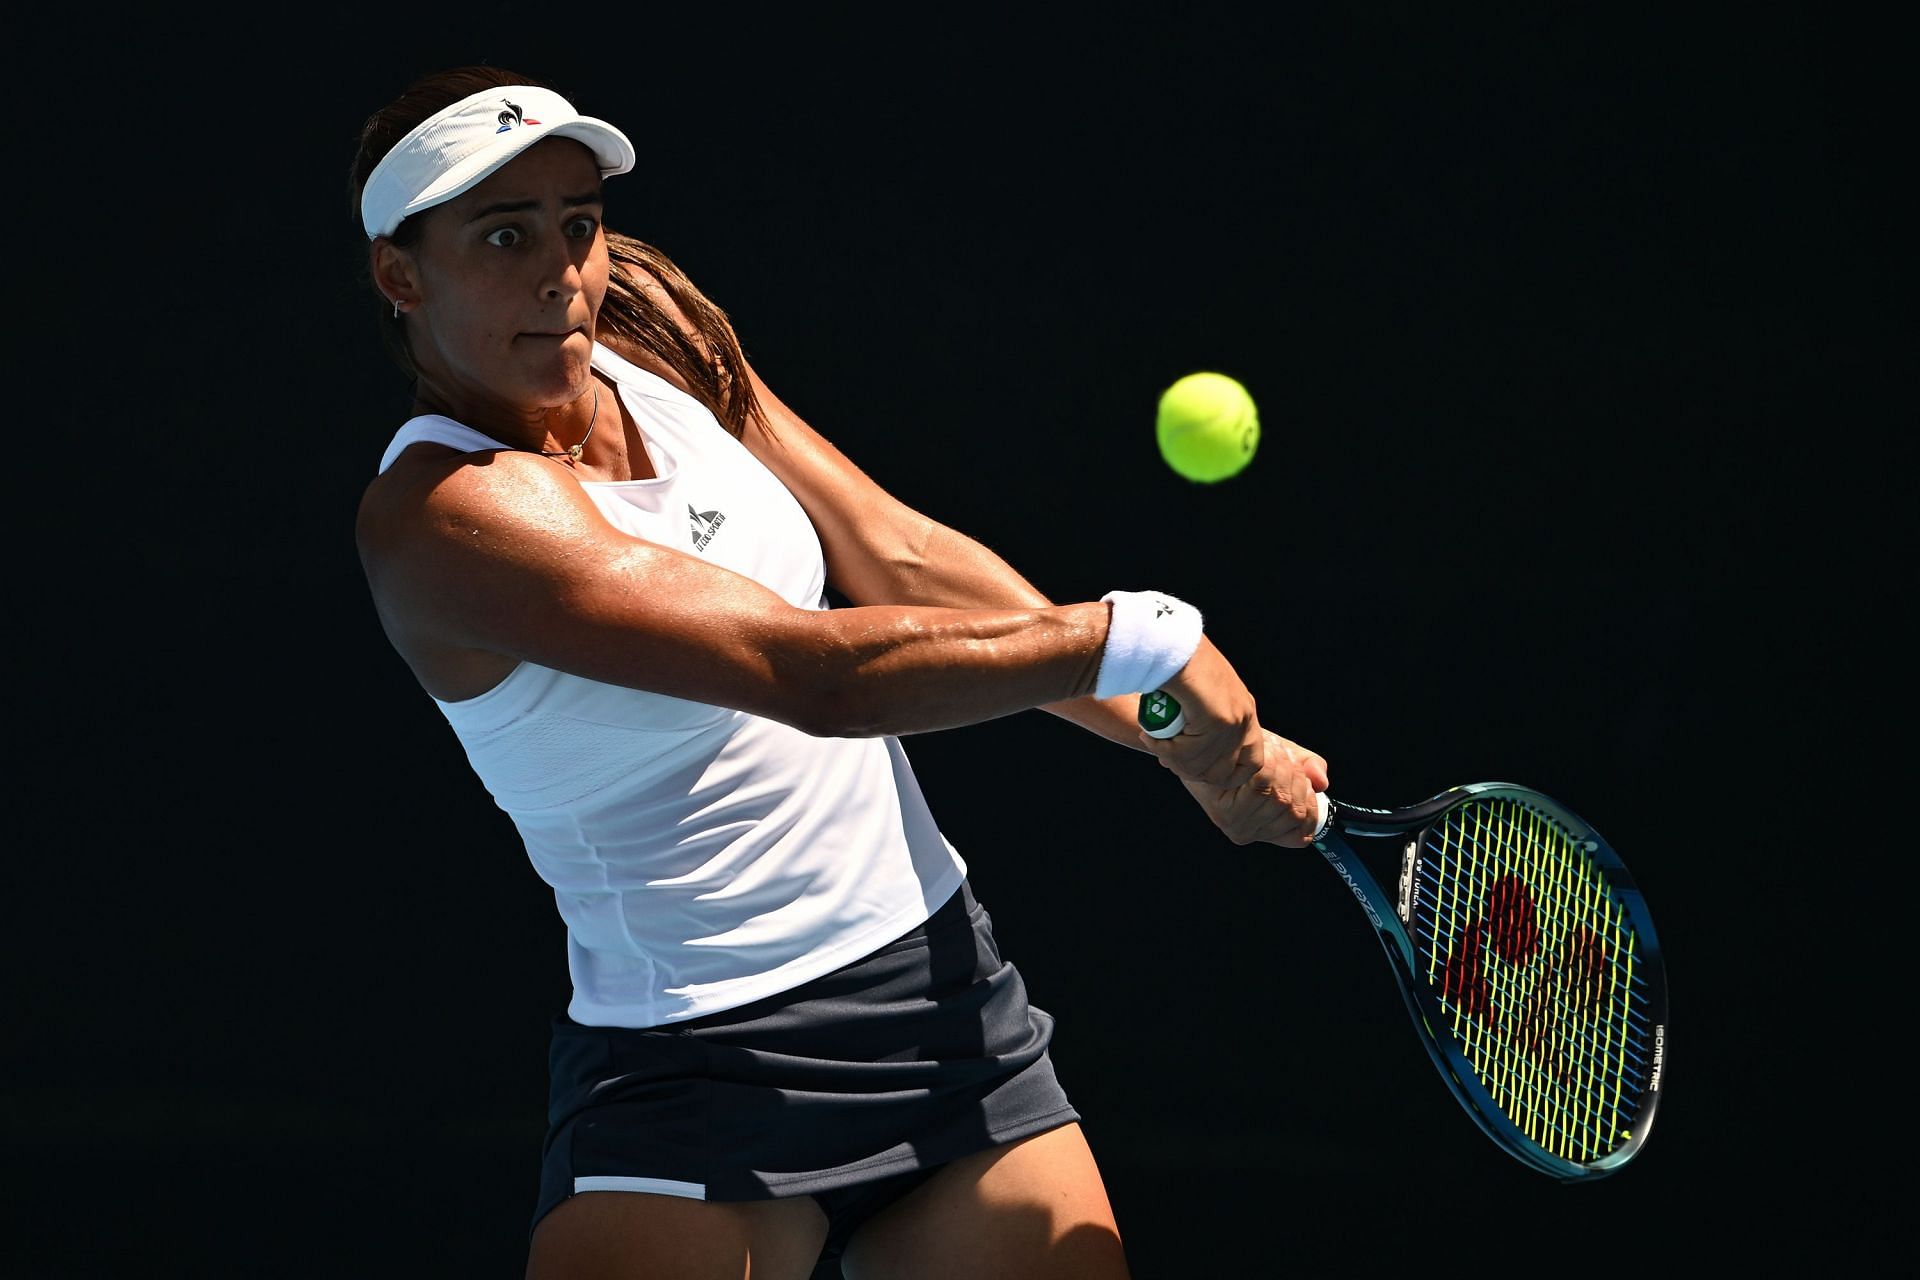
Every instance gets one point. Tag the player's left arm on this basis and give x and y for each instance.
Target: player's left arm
(880, 550)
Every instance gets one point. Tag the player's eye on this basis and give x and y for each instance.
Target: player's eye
(505, 237)
(582, 227)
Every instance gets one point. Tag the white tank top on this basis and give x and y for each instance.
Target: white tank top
(701, 857)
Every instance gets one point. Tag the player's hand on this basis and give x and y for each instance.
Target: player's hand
(1276, 805)
(1221, 742)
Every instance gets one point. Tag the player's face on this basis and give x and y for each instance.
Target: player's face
(511, 275)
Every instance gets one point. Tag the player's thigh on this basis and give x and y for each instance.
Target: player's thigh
(626, 1235)
(1035, 1209)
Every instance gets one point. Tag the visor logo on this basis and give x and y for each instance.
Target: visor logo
(511, 117)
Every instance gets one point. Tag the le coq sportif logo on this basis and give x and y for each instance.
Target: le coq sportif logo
(705, 525)
(511, 117)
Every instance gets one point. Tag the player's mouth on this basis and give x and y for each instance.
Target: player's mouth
(559, 335)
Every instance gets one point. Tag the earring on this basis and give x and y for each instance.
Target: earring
(396, 308)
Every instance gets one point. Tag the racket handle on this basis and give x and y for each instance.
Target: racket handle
(1160, 717)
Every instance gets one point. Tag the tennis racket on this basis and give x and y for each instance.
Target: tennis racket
(1526, 957)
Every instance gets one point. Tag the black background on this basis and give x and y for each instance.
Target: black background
(1576, 340)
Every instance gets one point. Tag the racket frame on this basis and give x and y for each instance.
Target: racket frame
(1383, 912)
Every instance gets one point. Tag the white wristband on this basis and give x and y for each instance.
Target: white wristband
(1150, 639)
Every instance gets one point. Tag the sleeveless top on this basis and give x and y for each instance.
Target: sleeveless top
(700, 857)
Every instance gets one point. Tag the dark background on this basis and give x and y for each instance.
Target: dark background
(1576, 338)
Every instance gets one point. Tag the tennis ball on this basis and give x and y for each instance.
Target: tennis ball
(1207, 427)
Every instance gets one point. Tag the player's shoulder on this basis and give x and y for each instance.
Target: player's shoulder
(435, 474)
(432, 487)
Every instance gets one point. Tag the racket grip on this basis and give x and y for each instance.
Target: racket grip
(1326, 814)
(1160, 717)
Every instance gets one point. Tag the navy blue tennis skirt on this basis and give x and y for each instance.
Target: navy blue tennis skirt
(851, 1088)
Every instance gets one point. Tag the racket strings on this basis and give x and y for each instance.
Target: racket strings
(1536, 963)
(1541, 1058)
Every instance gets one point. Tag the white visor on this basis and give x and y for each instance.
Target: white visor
(456, 148)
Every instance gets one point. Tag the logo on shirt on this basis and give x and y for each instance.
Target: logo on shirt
(705, 525)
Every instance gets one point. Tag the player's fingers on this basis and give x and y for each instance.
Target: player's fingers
(1233, 774)
(1177, 757)
(1311, 763)
(1289, 834)
(1272, 822)
(1216, 771)
(1279, 827)
(1172, 752)
(1252, 757)
(1233, 767)
(1208, 757)
(1232, 754)
(1243, 815)
(1292, 810)
(1267, 810)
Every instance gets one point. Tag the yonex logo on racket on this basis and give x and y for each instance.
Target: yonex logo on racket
(511, 117)
(1409, 883)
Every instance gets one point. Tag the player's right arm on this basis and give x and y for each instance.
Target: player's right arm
(504, 554)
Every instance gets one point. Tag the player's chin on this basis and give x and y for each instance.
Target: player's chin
(558, 367)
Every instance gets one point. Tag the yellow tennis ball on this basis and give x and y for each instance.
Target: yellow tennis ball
(1207, 426)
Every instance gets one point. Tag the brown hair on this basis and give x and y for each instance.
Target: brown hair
(712, 364)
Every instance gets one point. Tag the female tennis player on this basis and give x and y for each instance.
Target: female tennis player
(603, 547)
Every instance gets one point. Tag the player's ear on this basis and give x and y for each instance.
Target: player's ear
(393, 272)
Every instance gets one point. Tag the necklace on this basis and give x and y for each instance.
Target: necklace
(573, 451)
